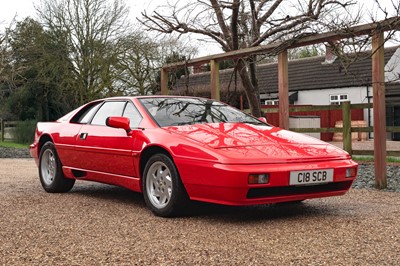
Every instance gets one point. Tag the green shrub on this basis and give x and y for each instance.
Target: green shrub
(24, 131)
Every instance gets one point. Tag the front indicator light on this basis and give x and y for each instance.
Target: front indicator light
(258, 179)
(351, 172)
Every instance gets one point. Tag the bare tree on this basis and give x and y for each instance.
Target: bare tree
(3, 64)
(5, 49)
(137, 64)
(356, 48)
(91, 29)
(236, 24)
(140, 58)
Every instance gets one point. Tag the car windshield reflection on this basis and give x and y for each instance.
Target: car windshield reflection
(187, 111)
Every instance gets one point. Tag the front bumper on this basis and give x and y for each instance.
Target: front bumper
(228, 184)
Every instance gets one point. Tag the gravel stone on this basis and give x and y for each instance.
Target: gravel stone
(14, 153)
(366, 177)
(97, 224)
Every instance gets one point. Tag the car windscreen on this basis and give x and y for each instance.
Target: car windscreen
(187, 111)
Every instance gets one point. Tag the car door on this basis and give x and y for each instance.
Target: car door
(66, 138)
(106, 149)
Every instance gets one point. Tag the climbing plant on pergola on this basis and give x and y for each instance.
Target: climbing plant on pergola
(376, 30)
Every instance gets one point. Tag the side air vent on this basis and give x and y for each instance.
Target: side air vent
(78, 173)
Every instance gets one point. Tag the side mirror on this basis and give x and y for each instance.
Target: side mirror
(119, 122)
(262, 119)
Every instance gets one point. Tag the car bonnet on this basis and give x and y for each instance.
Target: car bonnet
(258, 143)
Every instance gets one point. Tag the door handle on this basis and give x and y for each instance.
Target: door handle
(83, 136)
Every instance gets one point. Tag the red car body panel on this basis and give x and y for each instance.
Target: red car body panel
(250, 144)
(214, 160)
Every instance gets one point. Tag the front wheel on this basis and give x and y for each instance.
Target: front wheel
(162, 187)
(50, 171)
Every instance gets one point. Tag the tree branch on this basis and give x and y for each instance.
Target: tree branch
(267, 14)
(162, 24)
(234, 24)
(221, 22)
(277, 29)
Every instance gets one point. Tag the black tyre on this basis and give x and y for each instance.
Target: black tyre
(162, 187)
(50, 171)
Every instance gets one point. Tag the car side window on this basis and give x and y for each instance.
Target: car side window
(113, 108)
(84, 115)
(88, 114)
(133, 114)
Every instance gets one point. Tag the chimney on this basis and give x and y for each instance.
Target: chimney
(330, 56)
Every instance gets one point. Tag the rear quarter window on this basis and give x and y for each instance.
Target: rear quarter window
(85, 114)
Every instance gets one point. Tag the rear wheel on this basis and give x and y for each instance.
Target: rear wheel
(162, 187)
(50, 171)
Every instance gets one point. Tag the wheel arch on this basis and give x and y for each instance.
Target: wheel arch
(147, 153)
(43, 139)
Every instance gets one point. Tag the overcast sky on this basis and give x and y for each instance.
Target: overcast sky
(23, 8)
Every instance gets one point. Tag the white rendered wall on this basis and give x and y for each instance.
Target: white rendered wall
(392, 68)
(322, 97)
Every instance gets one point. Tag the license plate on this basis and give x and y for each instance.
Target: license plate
(310, 177)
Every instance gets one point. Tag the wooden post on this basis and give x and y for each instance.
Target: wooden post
(347, 144)
(2, 130)
(215, 92)
(378, 85)
(283, 84)
(164, 82)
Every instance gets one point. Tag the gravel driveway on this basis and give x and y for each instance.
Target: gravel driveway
(97, 224)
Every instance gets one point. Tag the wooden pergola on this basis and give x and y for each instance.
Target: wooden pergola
(376, 30)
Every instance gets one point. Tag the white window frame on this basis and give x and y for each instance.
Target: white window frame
(271, 102)
(338, 97)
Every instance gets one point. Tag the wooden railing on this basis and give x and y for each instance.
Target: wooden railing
(347, 129)
(3, 125)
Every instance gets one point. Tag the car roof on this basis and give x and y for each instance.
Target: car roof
(148, 96)
(152, 96)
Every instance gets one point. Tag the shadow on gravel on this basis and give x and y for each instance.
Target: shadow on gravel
(229, 214)
(109, 193)
(207, 211)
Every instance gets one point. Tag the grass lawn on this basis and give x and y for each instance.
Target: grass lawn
(7, 144)
(371, 159)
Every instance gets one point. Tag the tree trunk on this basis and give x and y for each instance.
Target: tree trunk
(251, 89)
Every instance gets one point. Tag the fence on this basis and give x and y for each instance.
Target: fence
(347, 129)
(5, 130)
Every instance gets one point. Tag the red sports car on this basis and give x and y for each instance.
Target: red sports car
(176, 149)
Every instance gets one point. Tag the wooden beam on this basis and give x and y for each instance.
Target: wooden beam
(214, 66)
(371, 153)
(317, 130)
(365, 29)
(283, 85)
(319, 108)
(378, 85)
(2, 126)
(346, 114)
(164, 81)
